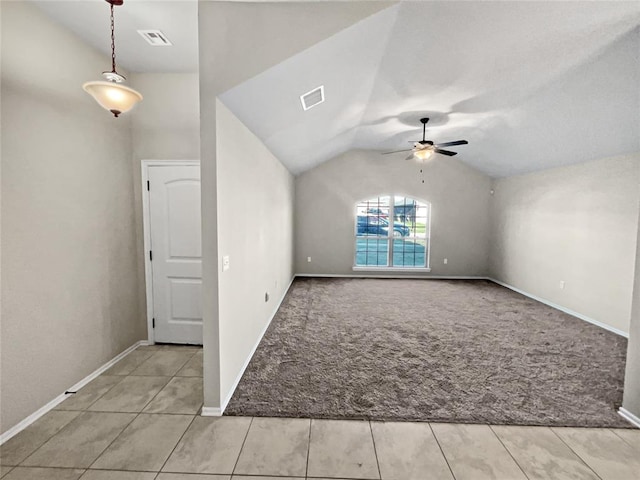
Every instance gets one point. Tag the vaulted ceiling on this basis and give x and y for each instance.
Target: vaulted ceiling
(530, 85)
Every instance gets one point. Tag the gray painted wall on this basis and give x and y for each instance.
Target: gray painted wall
(325, 210)
(164, 126)
(255, 230)
(631, 400)
(69, 283)
(575, 224)
(272, 32)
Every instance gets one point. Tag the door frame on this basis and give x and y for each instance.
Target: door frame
(146, 227)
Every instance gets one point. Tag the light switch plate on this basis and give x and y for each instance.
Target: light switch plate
(225, 263)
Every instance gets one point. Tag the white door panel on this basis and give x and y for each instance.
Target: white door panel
(175, 224)
(184, 297)
(183, 225)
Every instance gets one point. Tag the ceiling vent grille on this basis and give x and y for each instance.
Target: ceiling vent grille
(312, 98)
(155, 38)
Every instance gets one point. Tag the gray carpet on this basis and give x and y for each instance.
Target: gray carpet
(431, 350)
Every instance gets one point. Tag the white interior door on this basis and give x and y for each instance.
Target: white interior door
(176, 253)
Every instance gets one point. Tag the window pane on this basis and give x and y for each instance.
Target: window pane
(372, 217)
(410, 252)
(411, 218)
(421, 229)
(371, 252)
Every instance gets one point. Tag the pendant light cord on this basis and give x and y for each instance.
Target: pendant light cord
(113, 43)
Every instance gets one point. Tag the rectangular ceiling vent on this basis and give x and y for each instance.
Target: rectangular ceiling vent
(155, 38)
(312, 98)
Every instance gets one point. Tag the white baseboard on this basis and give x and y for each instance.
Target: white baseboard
(211, 412)
(562, 309)
(60, 398)
(628, 416)
(415, 277)
(216, 412)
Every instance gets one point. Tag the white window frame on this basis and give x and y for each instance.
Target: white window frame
(390, 238)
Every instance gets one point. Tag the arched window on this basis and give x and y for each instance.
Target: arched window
(393, 232)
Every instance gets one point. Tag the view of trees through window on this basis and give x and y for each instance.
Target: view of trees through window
(392, 231)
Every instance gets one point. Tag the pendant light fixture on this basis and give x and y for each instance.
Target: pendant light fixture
(110, 93)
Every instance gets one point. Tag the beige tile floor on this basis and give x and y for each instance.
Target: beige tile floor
(139, 421)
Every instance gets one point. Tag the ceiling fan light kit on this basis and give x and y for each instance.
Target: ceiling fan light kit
(424, 154)
(109, 93)
(424, 149)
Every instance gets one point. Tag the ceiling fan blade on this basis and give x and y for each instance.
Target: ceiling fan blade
(451, 144)
(409, 157)
(445, 152)
(396, 151)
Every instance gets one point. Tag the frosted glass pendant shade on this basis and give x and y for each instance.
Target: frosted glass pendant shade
(112, 96)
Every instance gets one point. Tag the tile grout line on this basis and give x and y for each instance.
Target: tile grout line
(145, 405)
(621, 438)
(137, 415)
(140, 413)
(185, 363)
(110, 388)
(508, 451)
(177, 443)
(574, 452)
(122, 378)
(28, 467)
(133, 420)
(151, 358)
(441, 450)
(244, 440)
(171, 377)
(60, 431)
(86, 411)
(375, 451)
(20, 463)
(108, 470)
(127, 356)
(306, 470)
(112, 441)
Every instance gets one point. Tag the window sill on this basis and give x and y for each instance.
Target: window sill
(391, 269)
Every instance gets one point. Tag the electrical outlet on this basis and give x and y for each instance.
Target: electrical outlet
(445, 261)
(308, 259)
(561, 284)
